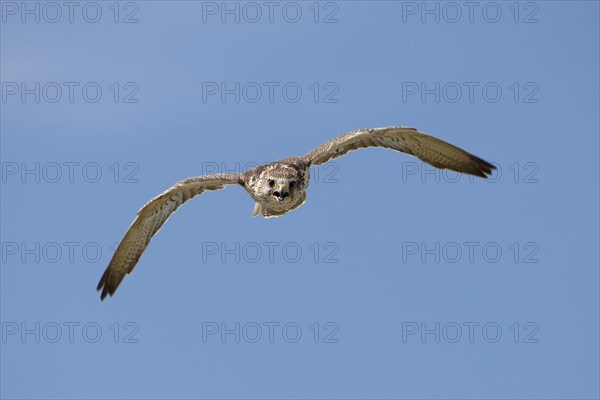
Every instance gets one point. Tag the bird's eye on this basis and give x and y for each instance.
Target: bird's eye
(292, 184)
(271, 182)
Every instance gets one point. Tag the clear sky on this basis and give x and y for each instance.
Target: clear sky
(392, 281)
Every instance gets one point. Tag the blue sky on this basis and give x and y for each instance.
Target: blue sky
(423, 285)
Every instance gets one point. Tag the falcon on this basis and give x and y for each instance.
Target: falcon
(280, 186)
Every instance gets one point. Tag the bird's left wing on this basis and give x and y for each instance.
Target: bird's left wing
(407, 140)
(150, 219)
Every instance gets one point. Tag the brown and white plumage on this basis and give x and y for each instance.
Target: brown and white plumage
(407, 140)
(150, 219)
(280, 186)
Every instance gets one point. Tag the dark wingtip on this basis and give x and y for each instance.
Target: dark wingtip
(109, 282)
(483, 168)
(106, 289)
(102, 285)
(102, 280)
(105, 286)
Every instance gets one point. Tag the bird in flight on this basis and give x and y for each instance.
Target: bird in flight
(280, 186)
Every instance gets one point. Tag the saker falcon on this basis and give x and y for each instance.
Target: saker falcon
(280, 186)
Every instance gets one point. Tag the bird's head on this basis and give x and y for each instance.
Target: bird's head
(281, 185)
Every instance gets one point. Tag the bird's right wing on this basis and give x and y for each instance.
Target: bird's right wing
(150, 219)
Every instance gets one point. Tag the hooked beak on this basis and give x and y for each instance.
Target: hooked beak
(281, 192)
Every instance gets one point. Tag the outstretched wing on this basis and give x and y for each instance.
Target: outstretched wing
(150, 219)
(407, 140)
